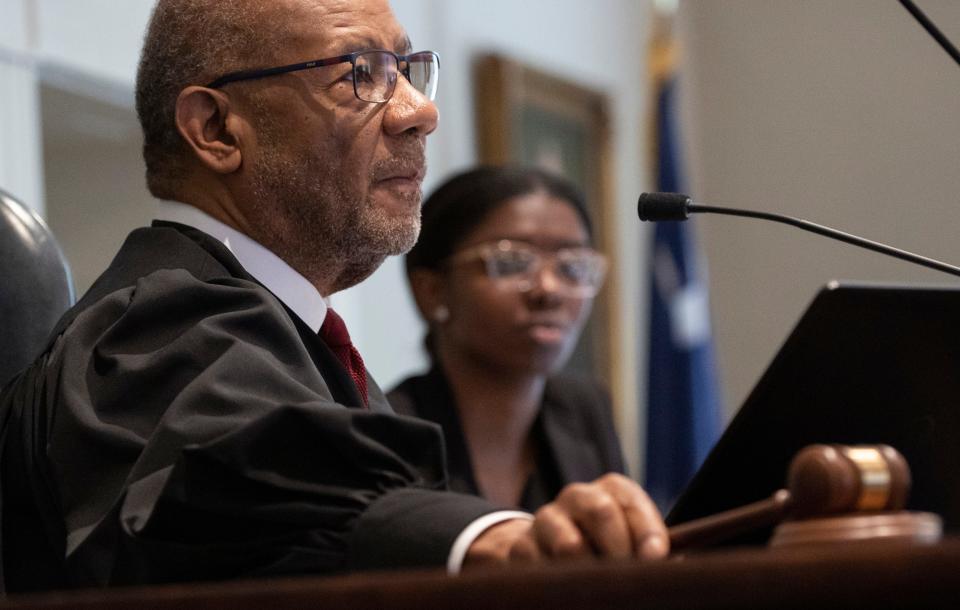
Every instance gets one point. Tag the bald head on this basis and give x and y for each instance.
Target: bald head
(190, 42)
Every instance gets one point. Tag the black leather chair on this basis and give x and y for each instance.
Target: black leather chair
(35, 290)
(35, 285)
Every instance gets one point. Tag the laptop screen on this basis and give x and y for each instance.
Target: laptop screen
(865, 364)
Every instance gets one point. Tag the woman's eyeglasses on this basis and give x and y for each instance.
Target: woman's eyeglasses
(516, 265)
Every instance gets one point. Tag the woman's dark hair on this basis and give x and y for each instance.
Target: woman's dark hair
(463, 202)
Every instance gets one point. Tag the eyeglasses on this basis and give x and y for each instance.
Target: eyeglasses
(515, 265)
(374, 72)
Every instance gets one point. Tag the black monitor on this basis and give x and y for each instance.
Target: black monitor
(865, 364)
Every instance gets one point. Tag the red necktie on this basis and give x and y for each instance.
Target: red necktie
(334, 334)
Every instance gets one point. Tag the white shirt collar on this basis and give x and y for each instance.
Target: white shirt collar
(269, 269)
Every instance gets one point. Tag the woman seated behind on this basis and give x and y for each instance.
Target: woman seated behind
(504, 274)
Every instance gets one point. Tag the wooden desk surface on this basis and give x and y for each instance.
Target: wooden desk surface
(854, 575)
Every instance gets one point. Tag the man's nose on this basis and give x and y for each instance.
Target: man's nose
(409, 109)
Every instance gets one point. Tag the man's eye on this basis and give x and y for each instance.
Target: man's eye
(363, 74)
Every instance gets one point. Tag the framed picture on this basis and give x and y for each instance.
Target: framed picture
(529, 117)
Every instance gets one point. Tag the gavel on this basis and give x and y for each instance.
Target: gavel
(834, 493)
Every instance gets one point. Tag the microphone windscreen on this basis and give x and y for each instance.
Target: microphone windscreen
(663, 206)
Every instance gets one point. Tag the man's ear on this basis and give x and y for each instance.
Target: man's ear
(207, 124)
(427, 288)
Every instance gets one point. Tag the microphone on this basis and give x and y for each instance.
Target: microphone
(655, 207)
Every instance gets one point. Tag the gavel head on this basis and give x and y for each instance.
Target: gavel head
(829, 479)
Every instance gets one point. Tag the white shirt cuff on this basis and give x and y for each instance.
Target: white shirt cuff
(470, 533)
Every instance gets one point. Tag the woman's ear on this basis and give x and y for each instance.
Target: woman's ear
(210, 128)
(427, 288)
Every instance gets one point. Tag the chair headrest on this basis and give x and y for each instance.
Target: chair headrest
(35, 285)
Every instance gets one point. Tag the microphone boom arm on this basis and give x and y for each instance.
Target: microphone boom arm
(835, 234)
(932, 29)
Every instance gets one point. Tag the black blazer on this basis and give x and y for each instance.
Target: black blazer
(182, 424)
(573, 432)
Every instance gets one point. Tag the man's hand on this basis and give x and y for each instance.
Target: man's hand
(610, 517)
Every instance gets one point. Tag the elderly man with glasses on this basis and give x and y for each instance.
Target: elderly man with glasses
(201, 413)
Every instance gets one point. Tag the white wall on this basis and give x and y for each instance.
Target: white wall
(93, 174)
(20, 165)
(100, 38)
(843, 113)
(90, 46)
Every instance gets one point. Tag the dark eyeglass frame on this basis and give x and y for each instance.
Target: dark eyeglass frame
(243, 75)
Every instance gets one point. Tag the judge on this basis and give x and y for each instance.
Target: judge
(201, 413)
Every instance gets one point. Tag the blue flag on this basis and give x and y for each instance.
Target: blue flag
(683, 401)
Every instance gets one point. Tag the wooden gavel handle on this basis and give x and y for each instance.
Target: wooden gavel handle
(708, 530)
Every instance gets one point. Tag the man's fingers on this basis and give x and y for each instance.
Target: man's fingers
(525, 550)
(497, 544)
(557, 535)
(611, 516)
(600, 517)
(647, 530)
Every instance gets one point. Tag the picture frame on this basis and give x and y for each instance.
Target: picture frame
(527, 116)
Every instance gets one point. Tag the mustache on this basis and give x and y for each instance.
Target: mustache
(410, 160)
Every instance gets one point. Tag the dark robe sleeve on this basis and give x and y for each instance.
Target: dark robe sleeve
(186, 434)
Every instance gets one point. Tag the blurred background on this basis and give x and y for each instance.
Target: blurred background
(843, 113)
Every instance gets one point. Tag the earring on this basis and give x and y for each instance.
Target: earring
(440, 314)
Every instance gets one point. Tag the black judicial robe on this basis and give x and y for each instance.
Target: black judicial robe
(573, 433)
(183, 424)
